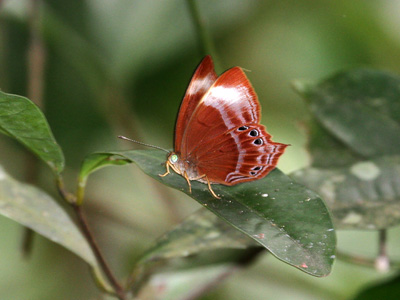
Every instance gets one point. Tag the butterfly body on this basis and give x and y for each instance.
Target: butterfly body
(182, 167)
(218, 138)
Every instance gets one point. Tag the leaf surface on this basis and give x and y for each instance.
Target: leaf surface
(201, 231)
(359, 107)
(35, 209)
(289, 220)
(364, 195)
(22, 120)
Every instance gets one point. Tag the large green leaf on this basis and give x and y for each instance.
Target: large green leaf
(201, 231)
(183, 284)
(289, 220)
(35, 209)
(387, 290)
(361, 108)
(364, 195)
(22, 120)
(190, 277)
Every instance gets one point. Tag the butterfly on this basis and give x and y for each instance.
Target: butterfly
(218, 138)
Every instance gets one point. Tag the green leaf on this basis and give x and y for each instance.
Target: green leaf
(326, 151)
(35, 209)
(22, 120)
(289, 220)
(201, 231)
(361, 108)
(364, 195)
(180, 285)
(191, 277)
(95, 161)
(91, 163)
(189, 283)
(388, 290)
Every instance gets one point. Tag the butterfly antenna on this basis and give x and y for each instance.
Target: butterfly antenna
(143, 144)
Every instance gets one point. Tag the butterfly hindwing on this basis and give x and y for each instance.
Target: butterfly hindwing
(242, 154)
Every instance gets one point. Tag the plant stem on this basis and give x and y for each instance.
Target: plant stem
(363, 261)
(356, 259)
(27, 242)
(36, 55)
(382, 262)
(119, 290)
(205, 41)
(84, 225)
(382, 242)
(36, 61)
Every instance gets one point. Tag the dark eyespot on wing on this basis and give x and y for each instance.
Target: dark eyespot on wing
(258, 142)
(254, 133)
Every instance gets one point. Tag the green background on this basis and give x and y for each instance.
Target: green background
(121, 67)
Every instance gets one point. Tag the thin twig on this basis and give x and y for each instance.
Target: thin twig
(31, 174)
(205, 41)
(119, 290)
(27, 242)
(36, 55)
(67, 196)
(382, 263)
(363, 261)
(382, 242)
(83, 223)
(36, 62)
(356, 259)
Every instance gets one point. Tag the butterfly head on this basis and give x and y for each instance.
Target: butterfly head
(173, 158)
(174, 162)
(182, 166)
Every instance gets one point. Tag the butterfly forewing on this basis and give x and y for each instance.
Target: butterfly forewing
(230, 102)
(201, 82)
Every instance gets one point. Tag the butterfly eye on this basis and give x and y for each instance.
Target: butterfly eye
(258, 142)
(174, 158)
(242, 128)
(253, 132)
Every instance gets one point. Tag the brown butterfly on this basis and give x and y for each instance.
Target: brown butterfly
(218, 138)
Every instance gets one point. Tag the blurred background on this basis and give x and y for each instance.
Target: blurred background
(121, 67)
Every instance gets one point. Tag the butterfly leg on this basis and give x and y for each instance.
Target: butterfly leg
(166, 173)
(209, 185)
(185, 175)
(210, 189)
